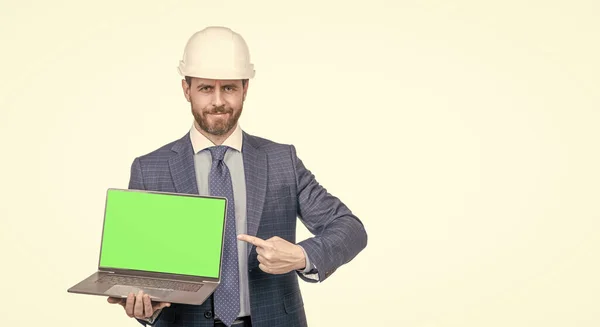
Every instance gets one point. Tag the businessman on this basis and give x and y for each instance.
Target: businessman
(268, 188)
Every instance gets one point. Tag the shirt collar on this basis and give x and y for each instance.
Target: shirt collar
(200, 142)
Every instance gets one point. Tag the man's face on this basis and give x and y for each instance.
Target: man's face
(216, 104)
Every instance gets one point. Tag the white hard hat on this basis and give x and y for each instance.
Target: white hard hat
(216, 52)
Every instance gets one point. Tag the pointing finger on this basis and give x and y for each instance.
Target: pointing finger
(253, 240)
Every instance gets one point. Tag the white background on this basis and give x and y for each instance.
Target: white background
(463, 133)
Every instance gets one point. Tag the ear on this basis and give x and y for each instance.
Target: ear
(245, 90)
(186, 89)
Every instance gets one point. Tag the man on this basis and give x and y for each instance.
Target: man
(269, 188)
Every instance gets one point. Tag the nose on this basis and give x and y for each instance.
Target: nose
(217, 99)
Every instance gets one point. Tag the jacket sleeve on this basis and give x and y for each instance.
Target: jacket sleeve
(136, 180)
(338, 234)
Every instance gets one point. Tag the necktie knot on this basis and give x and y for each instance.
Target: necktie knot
(218, 152)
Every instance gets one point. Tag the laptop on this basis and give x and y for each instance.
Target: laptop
(168, 245)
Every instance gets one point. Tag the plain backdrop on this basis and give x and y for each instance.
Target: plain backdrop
(463, 133)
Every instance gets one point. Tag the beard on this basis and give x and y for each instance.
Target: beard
(220, 126)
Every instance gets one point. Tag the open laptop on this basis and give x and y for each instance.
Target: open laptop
(168, 245)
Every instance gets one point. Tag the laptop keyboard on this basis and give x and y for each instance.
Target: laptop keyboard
(149, 282)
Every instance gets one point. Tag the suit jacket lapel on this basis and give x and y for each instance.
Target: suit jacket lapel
(182, 168)
(183, 173)
(255, 170)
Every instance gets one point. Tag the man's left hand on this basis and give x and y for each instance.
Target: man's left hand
(276, 255)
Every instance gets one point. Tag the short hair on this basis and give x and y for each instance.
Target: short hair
(188, 80)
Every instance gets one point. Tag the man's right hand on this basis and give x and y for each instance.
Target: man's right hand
(140, 306)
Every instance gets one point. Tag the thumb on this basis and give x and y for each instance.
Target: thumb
(113, 300)
(116, 300)
(162, 305)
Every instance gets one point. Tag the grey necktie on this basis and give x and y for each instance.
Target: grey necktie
(227, 295)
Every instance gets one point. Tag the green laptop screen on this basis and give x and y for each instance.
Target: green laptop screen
(164, 233)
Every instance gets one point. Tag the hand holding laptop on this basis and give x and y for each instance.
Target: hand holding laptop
(139, 306)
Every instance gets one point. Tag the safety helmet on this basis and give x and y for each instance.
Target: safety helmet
(216, 52)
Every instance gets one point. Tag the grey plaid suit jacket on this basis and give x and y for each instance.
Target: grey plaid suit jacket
(279, 190)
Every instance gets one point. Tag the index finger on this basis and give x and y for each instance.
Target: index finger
(253, 240)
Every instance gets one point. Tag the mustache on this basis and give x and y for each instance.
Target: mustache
(220, 110)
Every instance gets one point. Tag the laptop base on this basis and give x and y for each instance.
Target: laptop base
(161, 290)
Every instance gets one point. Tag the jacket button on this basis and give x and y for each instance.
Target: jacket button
(208, 314)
